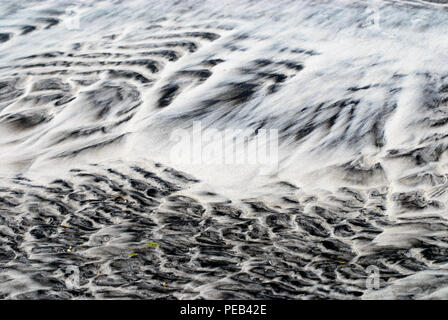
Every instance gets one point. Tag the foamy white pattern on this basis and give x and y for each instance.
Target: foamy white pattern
(362, 102)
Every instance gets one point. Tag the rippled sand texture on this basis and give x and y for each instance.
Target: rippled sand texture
(357, 89)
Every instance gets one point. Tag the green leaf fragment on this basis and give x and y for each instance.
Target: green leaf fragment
(133, 254)
(152, 244)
